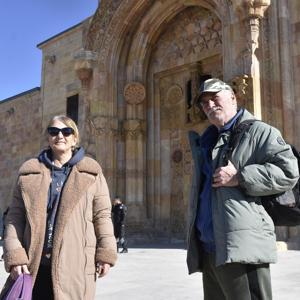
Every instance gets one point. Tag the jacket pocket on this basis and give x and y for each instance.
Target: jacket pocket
(90, 266)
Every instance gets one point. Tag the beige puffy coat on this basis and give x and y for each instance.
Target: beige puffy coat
(83, 231)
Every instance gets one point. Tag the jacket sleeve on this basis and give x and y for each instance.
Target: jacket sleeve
(14, 252)
(275, 169)
(106, 243)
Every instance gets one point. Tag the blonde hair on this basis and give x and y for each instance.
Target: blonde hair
(68, 122)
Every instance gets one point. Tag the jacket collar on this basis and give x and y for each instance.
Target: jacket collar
(86, 165)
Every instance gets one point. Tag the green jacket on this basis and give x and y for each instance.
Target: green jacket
(243, 231)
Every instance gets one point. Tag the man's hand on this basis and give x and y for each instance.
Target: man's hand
(102, 269)
(225, 176)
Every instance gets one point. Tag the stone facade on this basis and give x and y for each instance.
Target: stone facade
(21, 131)
(136, 66)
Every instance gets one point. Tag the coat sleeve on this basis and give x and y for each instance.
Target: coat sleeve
(275, 169)
(106, 243)
(14, 252)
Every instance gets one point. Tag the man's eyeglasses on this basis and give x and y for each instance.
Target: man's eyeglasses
(66, 131)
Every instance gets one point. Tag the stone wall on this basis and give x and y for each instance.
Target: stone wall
(59, 79)
(20, 123)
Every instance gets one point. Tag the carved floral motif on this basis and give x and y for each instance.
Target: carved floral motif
(177, 156)
(134, 128)
(134, 93)
(193, 33)
(174, 95)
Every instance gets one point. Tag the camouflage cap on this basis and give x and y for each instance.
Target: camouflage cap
(213, 85)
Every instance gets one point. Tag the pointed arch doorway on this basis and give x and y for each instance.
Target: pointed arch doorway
(171, 113)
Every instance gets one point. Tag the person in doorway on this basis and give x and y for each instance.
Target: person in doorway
(58, 227)
(231, 238)
(119, 211)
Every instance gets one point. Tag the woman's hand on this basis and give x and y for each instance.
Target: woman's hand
(18, 270)
(102, 269)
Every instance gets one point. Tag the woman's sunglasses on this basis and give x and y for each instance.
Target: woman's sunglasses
(54, 131)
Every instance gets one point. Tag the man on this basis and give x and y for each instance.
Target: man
(119, 211)
(231, 238)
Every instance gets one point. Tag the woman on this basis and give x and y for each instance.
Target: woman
(59, 227)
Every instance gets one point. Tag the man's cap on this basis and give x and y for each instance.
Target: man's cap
(213, 85)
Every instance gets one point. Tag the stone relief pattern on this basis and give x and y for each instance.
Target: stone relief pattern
(243, 86)
(177, 198)
(134, 93)
(107, 35)
(266, 69)
(174, 96)
(187, 157)
(192, 32)
(100, 23)
(223, 6)
(107, 39)
(171, 107)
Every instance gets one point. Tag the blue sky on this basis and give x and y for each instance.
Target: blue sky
(23, 25)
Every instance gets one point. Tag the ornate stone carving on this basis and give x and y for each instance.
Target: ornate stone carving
(194, 113)
(134, 93)
(187, 163)
(134, 128)
(84, 64)
(101, 125)
(172, 105)
(267, 69)
(194, 33)
(251, 12)
(251, 8)
(100, 23)
(243, 88)
(177, 156)
(174, 96)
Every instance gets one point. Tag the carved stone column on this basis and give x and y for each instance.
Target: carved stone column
(251, 12)
(84, 63)
(105, 131)
(134, 130)
(286, 67)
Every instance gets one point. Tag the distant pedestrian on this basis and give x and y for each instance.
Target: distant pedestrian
(119, 211)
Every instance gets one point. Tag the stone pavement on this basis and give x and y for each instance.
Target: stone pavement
(149, 273)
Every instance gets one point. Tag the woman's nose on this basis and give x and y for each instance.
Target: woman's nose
(60, 135)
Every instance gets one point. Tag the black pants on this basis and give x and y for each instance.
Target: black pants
(235, 281)
(119, 231)
(43, 288)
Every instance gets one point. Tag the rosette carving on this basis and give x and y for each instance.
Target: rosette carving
(134, 93)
